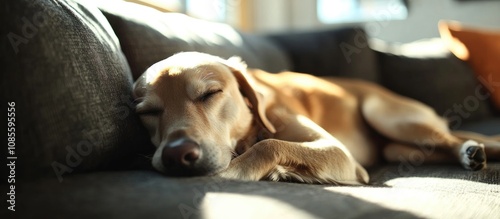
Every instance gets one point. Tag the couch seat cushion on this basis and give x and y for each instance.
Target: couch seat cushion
(399, 191)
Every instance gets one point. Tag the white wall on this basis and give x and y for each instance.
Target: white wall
(290, 15)
(270, 16)
(424, 15)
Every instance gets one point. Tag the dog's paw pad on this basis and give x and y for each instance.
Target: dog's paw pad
(473, 156)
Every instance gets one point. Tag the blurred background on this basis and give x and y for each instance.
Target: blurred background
(389, 20)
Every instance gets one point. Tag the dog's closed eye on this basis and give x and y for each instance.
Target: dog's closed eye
(209, 94)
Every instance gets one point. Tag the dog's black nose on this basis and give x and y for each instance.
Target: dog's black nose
(181, 153)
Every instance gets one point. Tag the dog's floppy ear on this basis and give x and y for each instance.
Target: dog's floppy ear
(245, 82)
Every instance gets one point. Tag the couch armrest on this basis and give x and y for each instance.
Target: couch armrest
(72, 90)
(341, 52)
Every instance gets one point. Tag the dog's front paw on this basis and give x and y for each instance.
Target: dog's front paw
(228, 174)
(473, 156)
(238, 174)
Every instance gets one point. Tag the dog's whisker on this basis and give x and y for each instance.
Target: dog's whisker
(148, 156)
(234, 154)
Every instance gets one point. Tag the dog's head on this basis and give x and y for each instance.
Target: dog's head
(197, 108)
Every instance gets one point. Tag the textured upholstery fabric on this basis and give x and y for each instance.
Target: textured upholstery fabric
(489, 126)
(342, 52)
(148, 36)
(439, 80)
(71, 85)
(446, 191)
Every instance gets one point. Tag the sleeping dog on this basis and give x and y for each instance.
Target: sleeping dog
(211, 116)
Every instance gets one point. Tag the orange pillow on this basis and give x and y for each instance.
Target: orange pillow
(480, 49)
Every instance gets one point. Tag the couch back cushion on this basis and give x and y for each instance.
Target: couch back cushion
(63, 68)
(147, 36)
(340, 52)
(428, 72)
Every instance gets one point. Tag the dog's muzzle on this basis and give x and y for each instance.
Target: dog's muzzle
(182, 155)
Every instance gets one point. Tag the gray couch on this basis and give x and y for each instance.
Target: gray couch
(82, 152)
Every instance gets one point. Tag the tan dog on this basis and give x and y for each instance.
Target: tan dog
(207, 115)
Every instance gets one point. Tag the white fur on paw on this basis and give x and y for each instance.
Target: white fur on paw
(472, 155)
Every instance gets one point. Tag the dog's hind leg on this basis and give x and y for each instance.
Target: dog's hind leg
(396, 152)
(413, 123)
(491, 143)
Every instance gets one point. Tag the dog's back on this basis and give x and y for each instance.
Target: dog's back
(332, 103)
